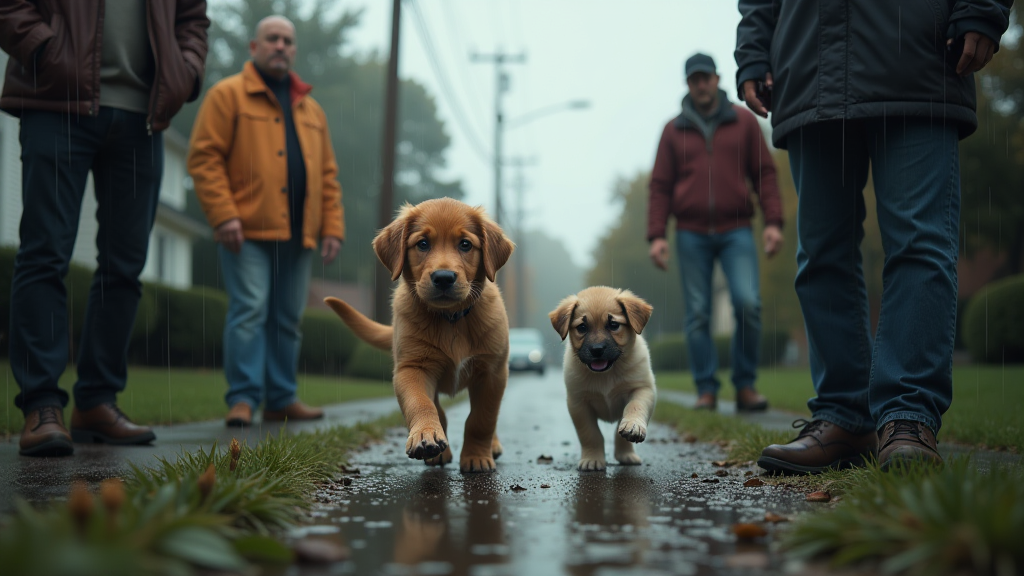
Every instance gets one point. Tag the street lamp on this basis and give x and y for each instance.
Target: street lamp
(520, 298)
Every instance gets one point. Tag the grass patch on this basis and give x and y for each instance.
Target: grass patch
(742, 440)
(176, 395)
(205, 510)
(986, 408)
(922, 521)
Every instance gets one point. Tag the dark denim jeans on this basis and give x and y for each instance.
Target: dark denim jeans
(906, 373)
(57, 152)
(737, 253)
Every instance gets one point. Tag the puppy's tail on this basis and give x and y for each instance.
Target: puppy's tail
(373, 333)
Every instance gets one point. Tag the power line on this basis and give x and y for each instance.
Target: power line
(446, 90)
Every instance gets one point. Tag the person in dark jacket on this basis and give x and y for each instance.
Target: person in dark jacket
(708, 159)
(93, 82)
(890, 86)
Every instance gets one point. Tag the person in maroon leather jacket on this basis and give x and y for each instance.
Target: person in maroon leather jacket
(93, 83)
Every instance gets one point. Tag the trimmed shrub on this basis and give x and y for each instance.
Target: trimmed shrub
(327, 344)
(993, 325)
(78, 283)
(187, 329)
(669, 351)
(370, 363)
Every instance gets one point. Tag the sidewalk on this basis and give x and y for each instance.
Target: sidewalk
(780, 420)
(36, 479)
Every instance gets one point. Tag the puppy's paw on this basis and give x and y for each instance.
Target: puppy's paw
(426, 443)
(496, 447)
(444, 458)
(633, 430)
(591, 464)
(628, 458)
(475, 464)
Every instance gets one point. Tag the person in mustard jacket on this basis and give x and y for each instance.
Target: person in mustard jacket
(264, 170)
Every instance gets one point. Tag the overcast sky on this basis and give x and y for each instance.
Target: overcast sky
(624, 57)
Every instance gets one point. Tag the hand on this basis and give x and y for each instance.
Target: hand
(772, 240)
(230, 235)
(978, 51)
(750, 95)
(659, 253)
(329, 248)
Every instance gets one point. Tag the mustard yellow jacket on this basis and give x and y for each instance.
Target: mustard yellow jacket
(238, 164)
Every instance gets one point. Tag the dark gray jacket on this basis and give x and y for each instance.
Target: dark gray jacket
(834, 59)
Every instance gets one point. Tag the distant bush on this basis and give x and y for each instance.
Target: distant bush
(327, 344)
(185, 328)
(993, 327)
(370, 363)
(669, 351)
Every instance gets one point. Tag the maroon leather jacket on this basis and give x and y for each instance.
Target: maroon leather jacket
(64, 76)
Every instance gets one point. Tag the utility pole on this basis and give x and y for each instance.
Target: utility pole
(499, 59)
(382, 286)
(520, 235)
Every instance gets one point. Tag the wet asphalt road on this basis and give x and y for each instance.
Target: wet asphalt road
(400, 517)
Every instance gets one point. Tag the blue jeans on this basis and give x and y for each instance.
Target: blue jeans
(57, 153)
(737, 254)
(267, 284)
(906, 373)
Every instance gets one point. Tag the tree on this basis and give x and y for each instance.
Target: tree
(350, 88)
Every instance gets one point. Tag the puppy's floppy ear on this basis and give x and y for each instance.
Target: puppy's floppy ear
(561, 317)
(637, 311)
(496, 247)
(389, 244)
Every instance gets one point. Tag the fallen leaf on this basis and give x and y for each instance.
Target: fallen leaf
(720, 463)
(545, 486)
(710, 480)
(753, 482)
(319, 551)
(748, 473)
(819, 497)
(346, 481)
(689, 438)
(518, 488)
(774, 518)
(721, 473)
(748, 531)
(545, 459)
(694, 475)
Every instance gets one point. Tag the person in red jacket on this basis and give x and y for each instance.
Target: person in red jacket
(708, 159)
(93, 83)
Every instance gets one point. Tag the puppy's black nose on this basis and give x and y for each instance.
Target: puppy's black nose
(597, 350)
(442, 279)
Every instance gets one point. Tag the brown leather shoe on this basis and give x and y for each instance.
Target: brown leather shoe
(44, 434)
(819, 446)
(239, 415)
(294, 411)
(905, 441)
(106, 424)
(748, 400)
(706, 401)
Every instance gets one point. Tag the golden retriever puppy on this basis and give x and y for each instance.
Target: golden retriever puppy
(449, 327)
(607, 370)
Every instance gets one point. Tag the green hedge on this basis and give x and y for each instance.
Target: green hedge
(993, 327)
(669, 352)
(327, 344)
(370, 363)
(185, 328)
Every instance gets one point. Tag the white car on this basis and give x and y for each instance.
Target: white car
(526, 350)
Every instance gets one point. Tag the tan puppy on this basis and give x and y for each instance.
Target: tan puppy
(607, 370)
(449, 331)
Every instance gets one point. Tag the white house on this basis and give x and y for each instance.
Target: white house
(170, 245)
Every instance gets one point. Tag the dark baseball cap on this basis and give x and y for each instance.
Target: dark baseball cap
(700, 63)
